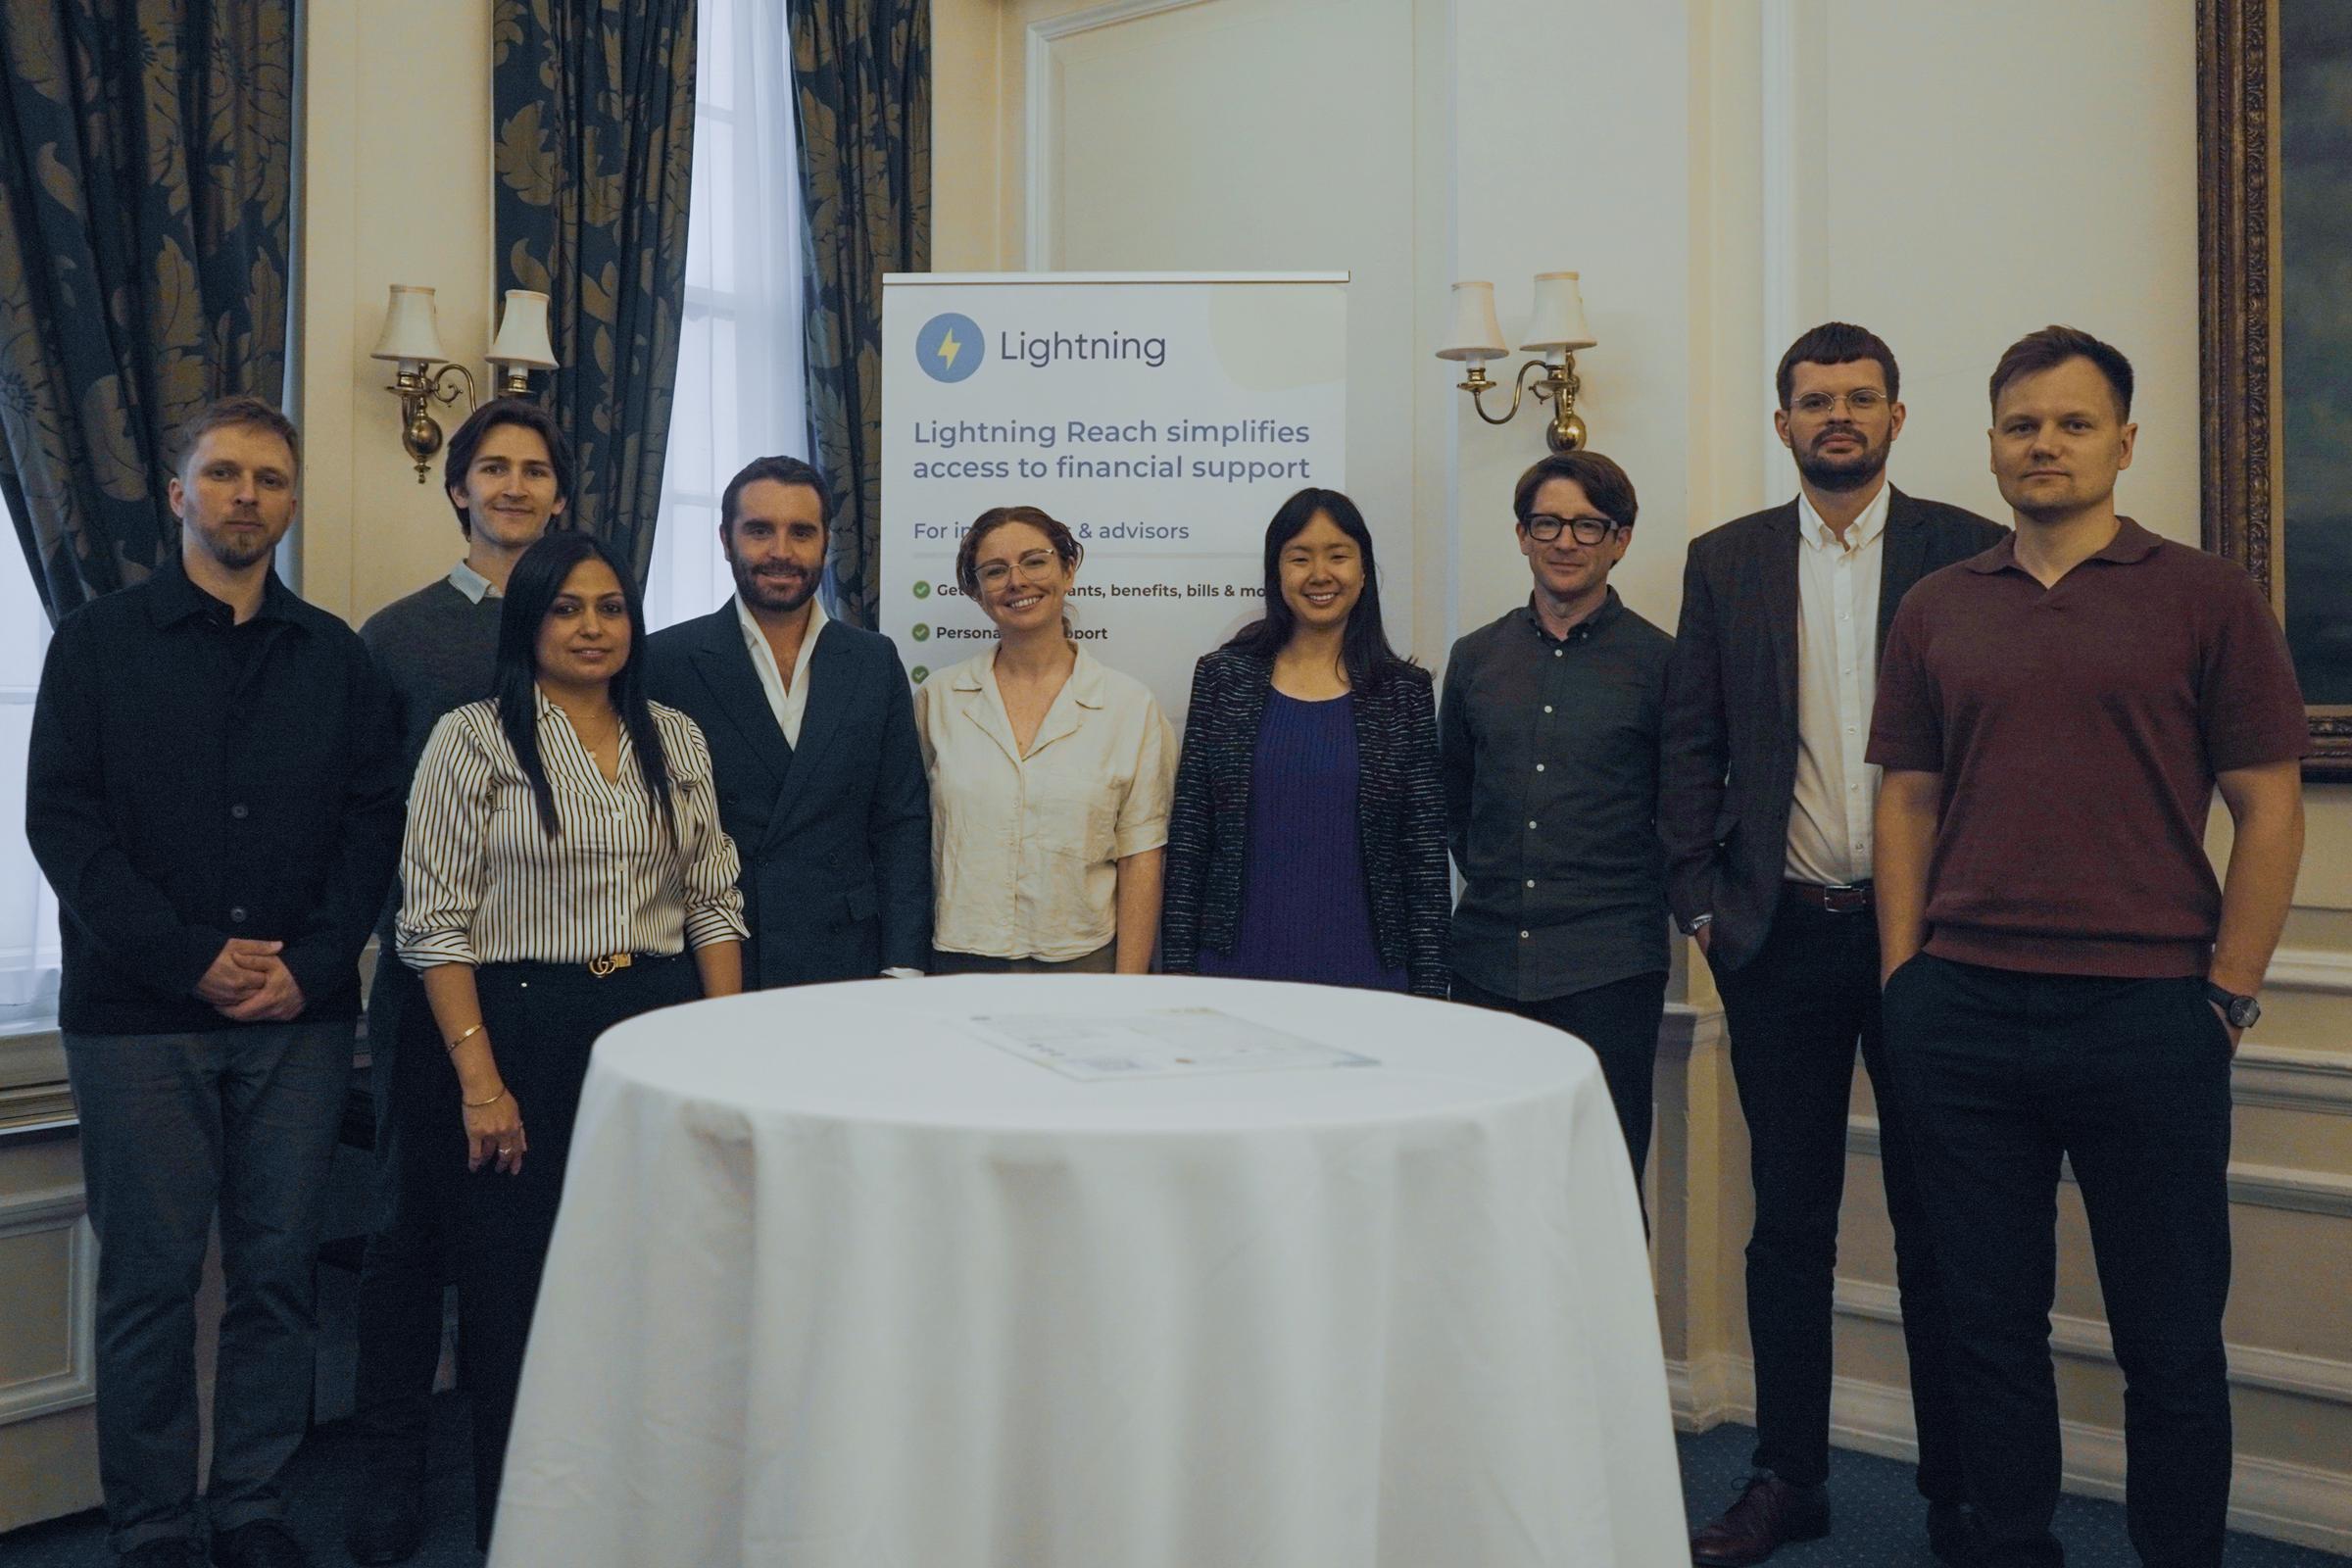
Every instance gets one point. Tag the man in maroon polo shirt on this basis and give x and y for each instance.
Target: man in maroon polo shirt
(2065, 976)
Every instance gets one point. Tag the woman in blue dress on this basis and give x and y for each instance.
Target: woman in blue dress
(1308, 837)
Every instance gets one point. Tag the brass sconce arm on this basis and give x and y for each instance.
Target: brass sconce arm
(1558, 386)
(419, 432)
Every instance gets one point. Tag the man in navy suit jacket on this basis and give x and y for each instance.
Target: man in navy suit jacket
(1764, 800)
(812, 743)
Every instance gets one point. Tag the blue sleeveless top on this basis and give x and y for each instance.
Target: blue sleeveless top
(1305, 914)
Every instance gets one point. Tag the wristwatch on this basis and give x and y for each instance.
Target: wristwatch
(1695, 923)
(2243, 1012)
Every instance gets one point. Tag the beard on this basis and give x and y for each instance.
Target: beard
(235, 550)
(774, 593)
(1850, 472)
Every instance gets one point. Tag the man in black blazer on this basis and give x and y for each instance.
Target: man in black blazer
(1765, 806)
(813, 744)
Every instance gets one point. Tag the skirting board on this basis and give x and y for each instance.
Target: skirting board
(2268, 1498)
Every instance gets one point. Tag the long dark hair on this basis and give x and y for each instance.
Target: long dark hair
(1364, 650)
(530, 593)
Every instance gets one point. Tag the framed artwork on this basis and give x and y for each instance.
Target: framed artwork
(2274, 274)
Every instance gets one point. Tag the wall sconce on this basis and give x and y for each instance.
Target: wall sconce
(412, 340)
(1558, 329)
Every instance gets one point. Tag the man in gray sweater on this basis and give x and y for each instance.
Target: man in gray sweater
(509, 475)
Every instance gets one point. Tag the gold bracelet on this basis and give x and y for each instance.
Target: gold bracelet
(452, 1047)
(476, 1104)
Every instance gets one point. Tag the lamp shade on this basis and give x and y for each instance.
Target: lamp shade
(1559, 325)
(409, 330)
(522, 332)
(1475, 334)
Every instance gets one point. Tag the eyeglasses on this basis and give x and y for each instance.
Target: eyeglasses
(1034, 564)
(1544, 528)
(1862, 400)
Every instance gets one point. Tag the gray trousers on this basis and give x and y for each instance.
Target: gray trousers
(244, 1119)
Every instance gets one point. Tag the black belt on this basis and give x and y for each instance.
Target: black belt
(1837, 898)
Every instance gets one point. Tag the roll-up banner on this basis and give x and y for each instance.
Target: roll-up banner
(1162, 417)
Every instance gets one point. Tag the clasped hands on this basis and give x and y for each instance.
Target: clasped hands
(247, 982)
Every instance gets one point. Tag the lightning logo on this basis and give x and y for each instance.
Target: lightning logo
(950, 347)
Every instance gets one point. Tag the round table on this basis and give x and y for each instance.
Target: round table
(839, 1282)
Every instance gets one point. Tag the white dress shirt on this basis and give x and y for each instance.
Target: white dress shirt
(1836, 681)
(1025, 850)
(788, 703)
(481, 882)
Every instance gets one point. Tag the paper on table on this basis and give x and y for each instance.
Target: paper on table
(1158, 1043)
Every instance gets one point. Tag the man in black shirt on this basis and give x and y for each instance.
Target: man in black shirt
(507, 476)
(1548, 740)
(211, 792)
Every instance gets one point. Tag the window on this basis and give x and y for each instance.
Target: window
(739, 352)
(28, 956)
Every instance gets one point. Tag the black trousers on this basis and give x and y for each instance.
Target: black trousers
(543, 1019)
(1797, 1012)
(420, 1140)
(1620, 1022)
(2005, 1073)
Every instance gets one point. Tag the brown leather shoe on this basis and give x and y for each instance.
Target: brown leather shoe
(1769, 1514)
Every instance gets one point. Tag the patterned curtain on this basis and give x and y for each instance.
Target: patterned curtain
(594, 103)
(862, 68)
(146, 168)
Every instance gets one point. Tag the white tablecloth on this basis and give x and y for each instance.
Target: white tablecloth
(837, 1283)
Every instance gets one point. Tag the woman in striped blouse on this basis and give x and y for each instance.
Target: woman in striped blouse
(564, 852)
(1307, 836)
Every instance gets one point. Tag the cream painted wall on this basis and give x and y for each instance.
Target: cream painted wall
(1590, 174)
(397, 191)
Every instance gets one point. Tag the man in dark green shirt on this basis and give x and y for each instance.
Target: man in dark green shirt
(1548, 735)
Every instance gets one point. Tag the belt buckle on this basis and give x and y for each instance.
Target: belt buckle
(1840, 897)
(601, 967)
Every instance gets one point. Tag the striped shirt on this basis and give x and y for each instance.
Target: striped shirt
(482, 882)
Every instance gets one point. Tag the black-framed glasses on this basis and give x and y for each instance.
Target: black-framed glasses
(1542, 527)
(1864, 399)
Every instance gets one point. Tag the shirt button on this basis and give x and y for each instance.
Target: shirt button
(1547, 708)
(1559, 652)
(1531, 881)
(1530, 827)
(236, 916)
(1539, 767)
(239, 810)
(1523, 936)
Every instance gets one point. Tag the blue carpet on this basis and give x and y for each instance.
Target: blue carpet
(1879, 1519)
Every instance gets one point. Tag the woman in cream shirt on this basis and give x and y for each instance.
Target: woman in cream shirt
(1049, 775)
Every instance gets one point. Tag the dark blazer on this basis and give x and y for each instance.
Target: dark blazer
(835, 833)
(1727, 768)
(1401, 816)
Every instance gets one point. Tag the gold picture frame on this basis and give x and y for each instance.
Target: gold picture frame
(2242, 305)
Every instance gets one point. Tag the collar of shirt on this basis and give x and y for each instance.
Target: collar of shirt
(473, 584)
(555, 720)
(1860, 534)
(1611, 606)
(2131, 544)
(174, 597)
(763, 657)
(1084, 685)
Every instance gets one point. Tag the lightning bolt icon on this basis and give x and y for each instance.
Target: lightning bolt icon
(949, 348)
